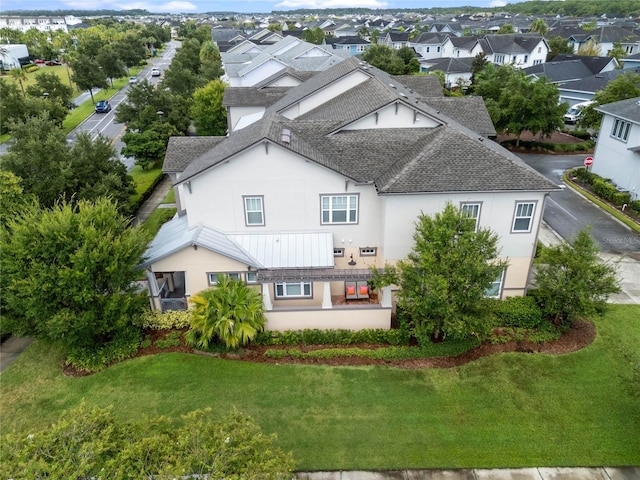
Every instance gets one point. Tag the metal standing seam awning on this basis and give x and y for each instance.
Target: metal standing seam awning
(313, 274)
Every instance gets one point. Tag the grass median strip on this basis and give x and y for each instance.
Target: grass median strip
(506, 410)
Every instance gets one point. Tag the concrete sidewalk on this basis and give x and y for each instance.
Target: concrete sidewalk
(11, 348)
(546, 473)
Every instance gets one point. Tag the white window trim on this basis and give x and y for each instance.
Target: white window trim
(338, 252)
(285, 296)
(245, 198)
(246, 277)
(621, 129)
(368, 251)
(331, 209)
(212, 277)
(477, 217)
(500, 283)
(530, 217)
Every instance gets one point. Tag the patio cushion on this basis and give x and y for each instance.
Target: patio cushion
(364, 290)
(351, 290)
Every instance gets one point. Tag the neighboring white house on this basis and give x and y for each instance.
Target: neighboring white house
(521, 50)
(247, 64)
(617, 154)
(328, 183)
(41, 23)
(13, 56)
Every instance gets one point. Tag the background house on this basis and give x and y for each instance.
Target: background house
(617, 154)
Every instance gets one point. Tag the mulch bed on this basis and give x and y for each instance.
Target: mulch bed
(578, 336)
(556, 137)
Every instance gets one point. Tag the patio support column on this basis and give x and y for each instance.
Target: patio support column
(154, 291)
(326, 295)
(266, 297)
(385, 297)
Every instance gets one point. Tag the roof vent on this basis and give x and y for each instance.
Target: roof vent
(286, 136)
(392, 85)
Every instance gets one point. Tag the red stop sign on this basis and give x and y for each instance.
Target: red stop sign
(588, 161)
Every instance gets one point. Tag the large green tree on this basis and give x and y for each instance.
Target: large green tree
(572, 282)
(231, 312)
(208, 113)
(444, 280)
(558, 45)
(51, 168)
(50, 86)
(69, 271)
(517, 103)
(623, 87)
(87, 74)
(384, 58)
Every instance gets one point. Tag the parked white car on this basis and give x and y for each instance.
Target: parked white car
(155, 72)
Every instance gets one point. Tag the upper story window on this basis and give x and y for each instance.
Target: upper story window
(526, 59)
(428, 48)
(537, 62)
(471, 211)
(539, 49)
(523, 217)
(253, 211)
(339, 209)
(620, 129)
(438, 49)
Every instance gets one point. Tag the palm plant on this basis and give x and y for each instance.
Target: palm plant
(230, 312)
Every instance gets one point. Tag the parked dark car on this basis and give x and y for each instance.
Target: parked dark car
(103, 106)
(52, 63)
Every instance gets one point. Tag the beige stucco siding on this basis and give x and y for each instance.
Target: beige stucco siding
(197, 264)
(347, 318)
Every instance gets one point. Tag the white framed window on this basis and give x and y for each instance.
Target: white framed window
(438, 49)
(213, 276)
(339, 209)
(368, 251)
(495, 289)
(338, 252)
(523, 217)
(251, 277)
(253, 211)
(537, 62)
(428, 48)
(293, 290)
(539, 49)
(621, 129)
(526, 59)
(472, 211)
(360, 48)
(499, 59)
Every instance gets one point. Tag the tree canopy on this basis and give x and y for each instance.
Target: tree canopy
(90, 442)
(517, 103)
(572, 282)
(69, 271)
(444, 280)
(209, 115)
(51, 168)
(623, 87)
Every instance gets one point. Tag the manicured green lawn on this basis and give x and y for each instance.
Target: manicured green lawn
(512, 409)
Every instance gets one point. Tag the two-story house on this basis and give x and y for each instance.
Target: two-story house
(328, 183)
(521, 50)
(617, 154)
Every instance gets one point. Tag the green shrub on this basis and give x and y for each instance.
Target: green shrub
(521, 312)
(448, 348)
(31, 68)
(334, 337)
(124, 344)
(604, 189)
(155, 320)
(146, 343)
(620, 198)
(173, 339)
(635, 206)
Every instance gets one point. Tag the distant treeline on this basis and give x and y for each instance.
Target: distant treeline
(572, 8)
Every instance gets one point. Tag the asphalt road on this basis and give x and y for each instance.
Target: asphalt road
(568, 212)
(104, 123)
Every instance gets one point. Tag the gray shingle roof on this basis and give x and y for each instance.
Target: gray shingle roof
(510, 43)
(469, 111)
(182, 150)
(422, 85)
(628, 109)
(558, 72)
(251, 96)
(447, 158)
(595, 82)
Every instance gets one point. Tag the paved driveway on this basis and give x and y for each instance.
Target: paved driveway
(567, 212)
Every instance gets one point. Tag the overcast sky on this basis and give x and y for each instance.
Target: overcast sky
(193, 6)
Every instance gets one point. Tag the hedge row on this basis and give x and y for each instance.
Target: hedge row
(333, 337)
(584, 146)
(607, 191)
